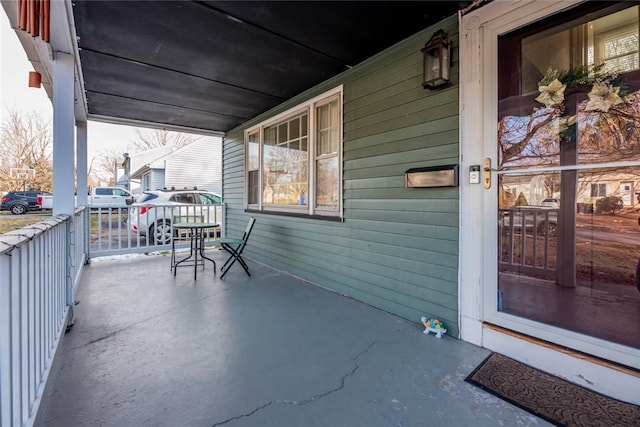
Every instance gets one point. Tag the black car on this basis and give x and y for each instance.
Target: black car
(19, 202)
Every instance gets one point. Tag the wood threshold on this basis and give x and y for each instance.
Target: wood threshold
(564, 350)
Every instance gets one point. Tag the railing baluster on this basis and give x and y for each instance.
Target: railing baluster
(6, 346)
(525, 222)
(112, 238)
(38, 268)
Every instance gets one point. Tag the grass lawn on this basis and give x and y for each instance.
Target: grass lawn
(10, 222)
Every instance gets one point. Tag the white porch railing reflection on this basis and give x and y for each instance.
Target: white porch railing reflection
(527, 241)
(146, 228)
(39, 269)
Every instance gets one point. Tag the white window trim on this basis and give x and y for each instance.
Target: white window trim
(308, 107)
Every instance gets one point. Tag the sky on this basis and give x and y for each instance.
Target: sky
(15, 94)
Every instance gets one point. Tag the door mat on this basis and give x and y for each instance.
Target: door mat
(551, 398)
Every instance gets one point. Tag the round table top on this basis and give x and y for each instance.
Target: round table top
(195, 225)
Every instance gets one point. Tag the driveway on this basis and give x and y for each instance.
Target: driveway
(608, 236)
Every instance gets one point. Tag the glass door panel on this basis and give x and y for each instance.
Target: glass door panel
(569, 163)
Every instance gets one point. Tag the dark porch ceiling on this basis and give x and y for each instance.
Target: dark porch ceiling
(213, 65)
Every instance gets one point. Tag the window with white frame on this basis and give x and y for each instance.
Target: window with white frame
(293, 161)
(618, 49)
(598, 190)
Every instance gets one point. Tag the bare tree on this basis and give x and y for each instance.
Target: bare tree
(103, 167)
(613, 135)
(26, 142)
(604, 122)
(154, 138)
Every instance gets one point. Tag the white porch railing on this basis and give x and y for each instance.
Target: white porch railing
(118, 231)
(39, 269)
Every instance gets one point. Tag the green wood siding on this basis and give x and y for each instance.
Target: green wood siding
(397, 248)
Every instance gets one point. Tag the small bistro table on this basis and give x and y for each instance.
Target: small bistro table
(196, 252)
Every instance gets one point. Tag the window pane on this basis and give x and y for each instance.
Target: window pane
(611, 40)
(323, 117)
(253, 156)
(270, 136)
(596, 239)
(327, 182)
(183, 198)
(286, 165)
(209, 199)
(528, 141)
(304, 125)
(328, 128)
(535, 140)
(294, 128)
(579, 86)
(283, 134)
(615, 40)
(612, 135)
(598, 190)
(253, 189)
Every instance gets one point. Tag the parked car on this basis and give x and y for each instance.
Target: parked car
(551, 203)
(19, 202)
(99, 197)
(153, 212)
(543, 220)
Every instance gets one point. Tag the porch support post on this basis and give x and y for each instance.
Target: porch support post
(566, 239)
(81, 162)
(63, 138)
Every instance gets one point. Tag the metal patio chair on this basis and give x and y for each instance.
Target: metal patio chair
(235, 248)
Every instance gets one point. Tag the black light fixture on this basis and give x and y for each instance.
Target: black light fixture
(437, 61)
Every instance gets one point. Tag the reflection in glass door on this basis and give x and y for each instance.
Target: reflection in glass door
(569, 154)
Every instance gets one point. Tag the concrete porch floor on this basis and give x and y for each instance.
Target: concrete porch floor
(151, 349)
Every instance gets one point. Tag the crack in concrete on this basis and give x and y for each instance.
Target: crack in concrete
(305, 401)
(142, 321)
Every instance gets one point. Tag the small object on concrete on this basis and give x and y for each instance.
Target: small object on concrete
(433, 325)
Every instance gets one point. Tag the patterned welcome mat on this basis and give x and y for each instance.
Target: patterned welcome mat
(557, 401)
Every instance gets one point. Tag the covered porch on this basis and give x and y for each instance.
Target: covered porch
(149, 348)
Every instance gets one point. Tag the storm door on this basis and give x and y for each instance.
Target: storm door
(568, 153)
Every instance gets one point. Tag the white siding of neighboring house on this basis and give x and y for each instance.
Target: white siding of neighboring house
(616, 185)
(157, 179)
(198, 164)
(139, 169)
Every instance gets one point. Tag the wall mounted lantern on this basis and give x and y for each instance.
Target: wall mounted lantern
(437, 61)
